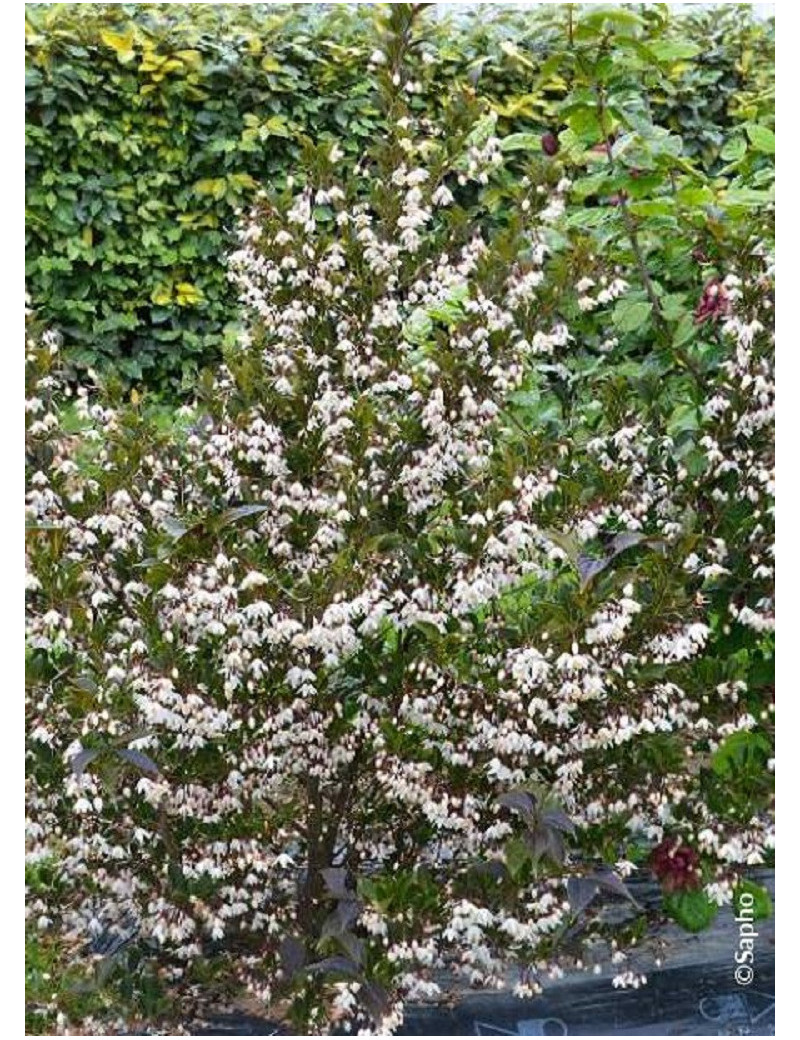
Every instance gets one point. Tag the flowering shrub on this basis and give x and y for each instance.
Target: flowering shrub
(443, 608)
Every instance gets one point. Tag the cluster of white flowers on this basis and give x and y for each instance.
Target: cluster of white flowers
(606, 291)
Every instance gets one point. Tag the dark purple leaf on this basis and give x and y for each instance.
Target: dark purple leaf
(139, 759)
(474, 73)
(608, 880)
(82, 760)
(230, 516)
(376, 999)
(202, 426)
(544, 841)
(495, 868)
(624, 540)
(349, 911)
(521, 802)
(353, 947)
(85, 683)
(293, 955)
(558, 818)
(556, 847)
(105, 968)
(581, 891)
(334, 966)
(343, 917)
(590, 566)
(174, 528)
(335, 879)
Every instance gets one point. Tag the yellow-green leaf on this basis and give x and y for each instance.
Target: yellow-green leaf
(121, 43)
(215, 186)
(186, 294)
(761, 138)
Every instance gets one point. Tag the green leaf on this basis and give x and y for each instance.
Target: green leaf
(692, 910)
(739, 751)
(749, 198)
(652, 208)
(418, 328)
(695, 196)
(161, 295)
(276, 126)
(761, 138)
(521, 142)
(592, 185)
(751, 900)
(187, 295)
(585, 125)
(568, 543)
(673, 306)
(630, 315)
(734, 150)
(517, 857)
(683, 419)
(673, 50)
(214, 186)
(270, 64)
(604, 16)
(685, 330)
(451, 310)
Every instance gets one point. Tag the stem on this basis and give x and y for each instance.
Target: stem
(321, 838)
(309, 892)
(630, 226)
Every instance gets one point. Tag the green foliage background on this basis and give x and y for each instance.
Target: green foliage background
(148, 125)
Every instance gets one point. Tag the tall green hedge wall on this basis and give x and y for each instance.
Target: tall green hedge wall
(148, 126)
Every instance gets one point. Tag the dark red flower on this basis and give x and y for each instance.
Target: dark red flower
(675, 865)
(549, 143)
(714, 303)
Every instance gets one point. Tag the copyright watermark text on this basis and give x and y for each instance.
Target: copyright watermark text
(744, 956)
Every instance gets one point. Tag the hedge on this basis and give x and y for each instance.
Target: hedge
(149, 125)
